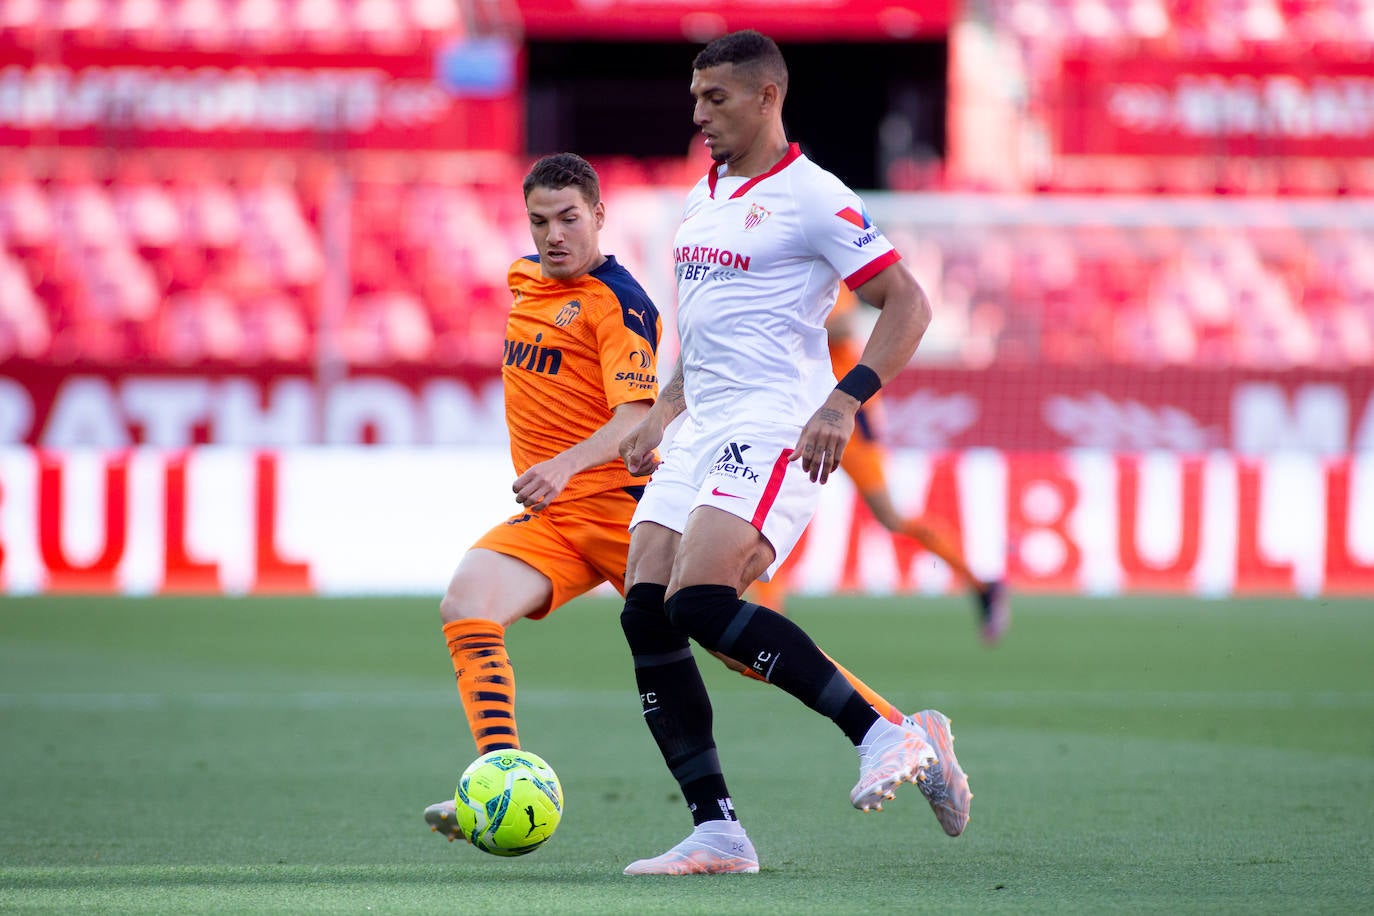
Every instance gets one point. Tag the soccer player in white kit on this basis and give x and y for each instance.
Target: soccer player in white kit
(765, 240)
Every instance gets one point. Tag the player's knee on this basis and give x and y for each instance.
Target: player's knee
(704, 612)
(451, 609)
(644, 621)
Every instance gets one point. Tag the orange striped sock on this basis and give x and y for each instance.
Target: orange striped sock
(879, 703)
(486, 683)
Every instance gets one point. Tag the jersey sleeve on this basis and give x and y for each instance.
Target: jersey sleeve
(627, 337)
(836, 224)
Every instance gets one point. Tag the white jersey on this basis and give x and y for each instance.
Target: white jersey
(759, 262)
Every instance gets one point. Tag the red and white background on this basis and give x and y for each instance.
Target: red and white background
(242, 483)
(827, 20)
(1037, 408)
(252, 263)
(1318, 104)
(169, 98)
(361, 520)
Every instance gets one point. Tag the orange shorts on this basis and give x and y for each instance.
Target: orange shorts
(862, 459)
(577, 544)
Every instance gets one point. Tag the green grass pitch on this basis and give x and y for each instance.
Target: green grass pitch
(1151, 755)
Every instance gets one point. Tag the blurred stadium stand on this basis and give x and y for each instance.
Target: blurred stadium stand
(164, 251)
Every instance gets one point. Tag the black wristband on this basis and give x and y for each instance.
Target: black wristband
(860, 383)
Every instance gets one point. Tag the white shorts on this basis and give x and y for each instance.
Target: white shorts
(742, 469)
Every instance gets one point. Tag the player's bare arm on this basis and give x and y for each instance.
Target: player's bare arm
(904, 315)
(902, 321)
(637, 448)
(541, 484)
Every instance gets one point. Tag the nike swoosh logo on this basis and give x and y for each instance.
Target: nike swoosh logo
(716, 491)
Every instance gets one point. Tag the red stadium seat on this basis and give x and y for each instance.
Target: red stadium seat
(140, 22)
(385, 328)
(25, 330)
(436, 16)
(262, 24)
(381, 25)
(21, 21)
(321, 24)
(201, 24)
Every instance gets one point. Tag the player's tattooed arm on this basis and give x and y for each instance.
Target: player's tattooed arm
(830, 415)
(823, 438)
(673, 397)
(638, 447)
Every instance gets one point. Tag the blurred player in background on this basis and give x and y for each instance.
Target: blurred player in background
(765, 239)
(580, 370)
(863, 460)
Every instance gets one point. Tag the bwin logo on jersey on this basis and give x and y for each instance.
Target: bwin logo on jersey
(731, 462)
(533, 357)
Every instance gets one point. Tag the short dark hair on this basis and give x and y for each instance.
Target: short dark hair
(750, 51)
(562, 170)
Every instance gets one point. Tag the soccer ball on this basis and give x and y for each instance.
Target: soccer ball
(508, 802)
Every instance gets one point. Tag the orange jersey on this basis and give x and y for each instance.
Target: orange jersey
(574, 352)
(844, 349)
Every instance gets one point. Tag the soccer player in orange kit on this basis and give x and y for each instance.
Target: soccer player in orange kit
(580, 369)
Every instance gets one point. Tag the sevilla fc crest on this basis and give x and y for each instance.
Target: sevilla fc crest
(755, 216)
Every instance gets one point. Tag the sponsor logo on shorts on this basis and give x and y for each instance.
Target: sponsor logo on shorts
(733, 452)
(717, 491)
(731, 464)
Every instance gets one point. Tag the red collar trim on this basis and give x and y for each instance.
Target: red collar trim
(793, 153)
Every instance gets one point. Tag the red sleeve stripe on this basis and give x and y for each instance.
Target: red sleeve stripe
(871, 269)
(770, 489)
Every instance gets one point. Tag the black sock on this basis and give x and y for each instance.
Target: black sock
(677, 708)
(773, 646)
